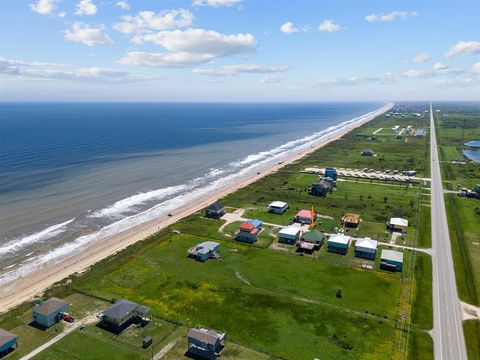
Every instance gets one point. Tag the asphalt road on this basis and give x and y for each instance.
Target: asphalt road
(448, 338)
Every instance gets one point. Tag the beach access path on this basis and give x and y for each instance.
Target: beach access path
(26, 287)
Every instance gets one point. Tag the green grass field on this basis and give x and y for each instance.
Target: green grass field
(272, 302)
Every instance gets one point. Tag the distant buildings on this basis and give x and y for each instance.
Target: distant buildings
(397, 225)
(204, 251)
(120, 315)
(391, 260)
(305, 217)
(7, 342)
(367, 152)
(215, 211)
(278, 207)
(366, 248)
(420, 132)
(49, 312)
(289, 234)
(205, 343)
(351, 220)
(339, 243)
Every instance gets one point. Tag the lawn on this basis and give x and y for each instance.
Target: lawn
(471, 329)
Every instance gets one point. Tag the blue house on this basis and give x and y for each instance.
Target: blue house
(391, 260)
(331, 173)
(204, 251)
(49, 312)
(339, 243)
(215, 211)
(7, 342)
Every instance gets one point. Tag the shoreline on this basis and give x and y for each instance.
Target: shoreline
(26, 287)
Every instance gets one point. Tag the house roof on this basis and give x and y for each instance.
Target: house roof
(6, 337)
(255, 222)
(289, 230)
(367, 243)
(246, 226)
(279, 204)
(313, 236)
(216, 207)
(207, 336)
(398, 222)
(49, 306)
(120, 309)
(207, 246)
(339, 239)
(351, 218)
(392, 255)
(305, 214)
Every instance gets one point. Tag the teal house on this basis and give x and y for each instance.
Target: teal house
(391, 260)
(49, 312)
(7, 342)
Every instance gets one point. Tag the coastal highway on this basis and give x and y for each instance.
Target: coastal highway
(448, 338)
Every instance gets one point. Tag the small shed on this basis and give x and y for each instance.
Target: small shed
(205, 343)
(305, 217)
(147, 341)
(391, 260)
(366, 248)
(289, 234)
(215, 211)
(278, 207)
(351, 220)
(49, 312)
(204, 251)
(7, 342)
(339, 243)
(367, 152)
(397, 225)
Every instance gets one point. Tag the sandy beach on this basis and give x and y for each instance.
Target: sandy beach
(31, 285)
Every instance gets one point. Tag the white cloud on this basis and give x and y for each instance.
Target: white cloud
(62, 14)
(123, 4)
(88, 35)
(272, 79)
(439, 66)
(44, 7)
(228, 70)
(52, 71)
(85, 7)
(391, 16)
(414, 73)
(148, 21)
(329, 26)
(421, 58)
(215, 3)
(476, 68)
(464, 47)
(189, 47)
(442, 69)
(288, 28)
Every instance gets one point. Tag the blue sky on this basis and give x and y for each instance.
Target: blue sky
(239, 50)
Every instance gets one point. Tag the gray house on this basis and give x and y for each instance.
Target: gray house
(205, 343)
(204, 251)
(123, 313)
(215, 211)
(368, 152)
(49, 312)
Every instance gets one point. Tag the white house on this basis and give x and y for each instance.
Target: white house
(366, 248)
(339, 243)
(278, 207)
(289, 234)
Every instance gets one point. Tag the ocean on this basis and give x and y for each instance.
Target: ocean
(73, 173)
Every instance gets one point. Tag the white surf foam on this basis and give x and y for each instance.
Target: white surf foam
(19, 243)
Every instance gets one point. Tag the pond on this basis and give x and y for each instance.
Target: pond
(473, 143)
(473, 155)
